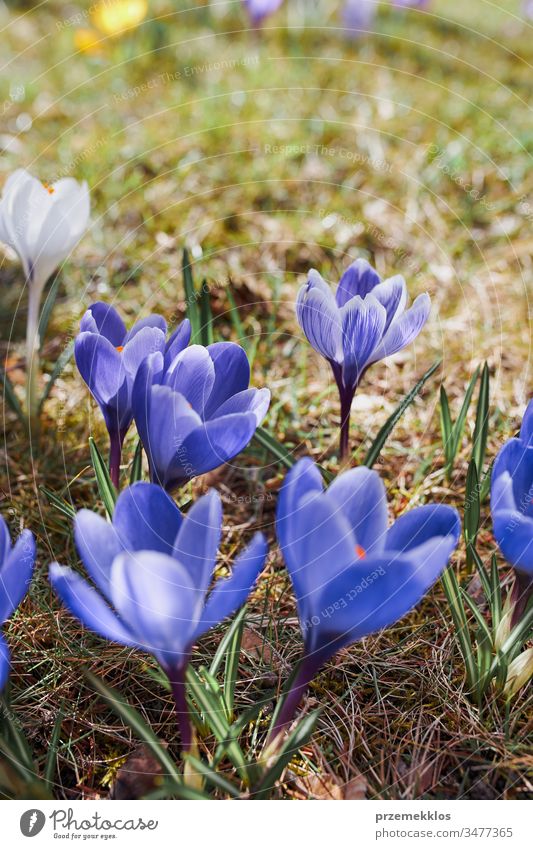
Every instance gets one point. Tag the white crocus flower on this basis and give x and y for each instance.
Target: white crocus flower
(42, 222)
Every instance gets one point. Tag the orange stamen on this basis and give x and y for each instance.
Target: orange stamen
(359, 550)
(120, 348)
(50, 189)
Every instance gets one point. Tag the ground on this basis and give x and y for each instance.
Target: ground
(267, 154)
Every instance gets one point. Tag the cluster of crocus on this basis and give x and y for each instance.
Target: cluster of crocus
(42, 222)
(353, 575)
(365, 321)
(192, 406)
(16, 570)
(357, 15)
(512, 511)
(152, 569)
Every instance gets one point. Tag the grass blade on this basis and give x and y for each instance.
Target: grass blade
(462, 633)
(47, 309)
(446, 427)
(266, 440)
(290, 747)
(472, 511)
(191, 298)
(107, 491)
(50, 763)
(481, 428)
(134, 720)
(213, 778)
(63, 506)
(136, 473)
(375, 449)
(11, 397)
(232, 668)
(206, 316)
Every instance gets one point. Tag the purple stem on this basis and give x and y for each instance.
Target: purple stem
(115, 454)
(344, 444)
(293, 698)
(177, 682)
(520, 595)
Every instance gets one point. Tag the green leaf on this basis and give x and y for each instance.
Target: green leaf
(50, 763)
(232, 668)
(266, 440)
(11, 397)
(235, 319)
(496, 604)
(191, 298)
(472, 510)
(63, 506)
(375, 449)
(134, 720)
(226, 641)
(136, 473)
(206, 316)
(446, 426)
(107, 491)
(61, 362)
(47, 309)
(481, 428)
(290, 747)
(213, 778)
(462, 633)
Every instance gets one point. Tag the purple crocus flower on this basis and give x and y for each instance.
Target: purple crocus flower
(198, 413)
(364, 322)
(155, 567)
(108, 358)
(351, 574)
(358, 15)
(16, 570)
(412, 4)
(258, 10)
(527, 9)
(512, 510)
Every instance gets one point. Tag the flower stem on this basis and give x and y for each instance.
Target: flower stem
(520, 595)
(293, 698)
(177, 682)
(115, 454)
(344, 445)
(32, 356)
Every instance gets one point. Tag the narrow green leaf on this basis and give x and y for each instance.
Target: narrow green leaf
(481, 428)
(235, 319)
(47, 309)
(107, 491)
(63, 506)
(375, 449)
(134, 720)
(226, 641)
(137, 464)
(50, 763)
(191, 298)
(472, 510)
(232, 668)
(496, 603)
(266, 440)
(11, 397)
(462, 633)
(61, 362)
(446, 426)
(458, 428)
(213, 778)
(290, 747)
(177, 791)
(206, 316)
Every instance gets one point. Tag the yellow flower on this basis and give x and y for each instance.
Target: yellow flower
(114, 17)
(87, 41)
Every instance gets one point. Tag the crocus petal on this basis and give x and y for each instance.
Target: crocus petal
(255, 401)
(100, 365)
(87, 605)
(198, 539)
(178, 341)
(514, 534)
(230, 593)
(154, 321)
(392, 293)
(210, 445)
(377, 592)
(5, 663)
(358, 15)
(261, 9)
(512, 478)
(16, 573)
(526, 431)
(358, 279)
(363, 322)
(421, 524)
(5, 541)
(156, 596)
(402, 331)
(232, 373)
(303, 478)
(192, 373)
(146, 518)
(103, 318)
(145, 342)
(319, 318)
(98, 545)
(360, 496)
